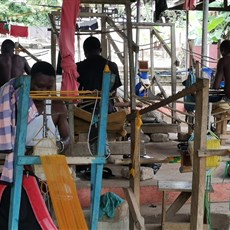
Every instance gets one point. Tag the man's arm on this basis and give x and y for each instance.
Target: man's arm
(63, 126)
(219, 76)
(26, 67)
(117, 80)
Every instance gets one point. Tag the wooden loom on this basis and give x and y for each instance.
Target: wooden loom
(20, 159)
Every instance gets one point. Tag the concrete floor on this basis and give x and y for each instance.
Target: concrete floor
(151, 197)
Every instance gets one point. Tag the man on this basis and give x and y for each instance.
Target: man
(91, 70)
(223, 74)
(43, 78)
(91, 78)
(223, 69)
(11, 65)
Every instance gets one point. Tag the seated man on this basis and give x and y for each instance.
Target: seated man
(91, 77)
(91, 71)
(42, 79)
(11, 65)
(223, 74)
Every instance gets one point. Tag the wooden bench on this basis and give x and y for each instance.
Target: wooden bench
(185, 189)
(157, 128)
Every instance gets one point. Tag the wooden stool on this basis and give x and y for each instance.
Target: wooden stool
(185, 189)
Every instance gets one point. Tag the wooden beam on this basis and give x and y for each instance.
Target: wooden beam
(135, 47)
(115, 47)
(161, 40)
(157, 128)
(177, 205)
(114, 2)
(199, 163)
(116, 148)
(180, 226)
(53, 24)
(192, 89)
(142, 161)
(134, 209)
(26, 51)
(213, 152)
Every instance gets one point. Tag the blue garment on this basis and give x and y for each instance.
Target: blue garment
(108, 203)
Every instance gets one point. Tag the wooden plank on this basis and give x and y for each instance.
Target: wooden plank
(163, 216)
(115, 2)
(180, 226)
(23, 49)
(174, 63)
(179, 186)
(53, 24)
(116, 148)
(199, 163)
(213, 152)
(142, 161)
(225, 136)
(180, 94)
(177, 204)
(162, 41)
(135, 47)
(157, 128)
(134, 209)
(115, 47)
(119, 116)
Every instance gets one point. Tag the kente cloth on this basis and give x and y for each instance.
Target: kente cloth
(19, 31)
(8, 102)
(69, 13)
(33, 212)
(189, 5)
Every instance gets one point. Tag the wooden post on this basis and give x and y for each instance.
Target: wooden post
(104, 52)
(126, 67)
(53, 49)
(152, 59)
(199, 167)
(135, 149)
(173, 67)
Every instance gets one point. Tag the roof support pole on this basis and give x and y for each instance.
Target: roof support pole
(204, 36)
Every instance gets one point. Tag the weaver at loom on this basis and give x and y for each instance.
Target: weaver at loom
(43, 79)
(33, 210)
(222, 76)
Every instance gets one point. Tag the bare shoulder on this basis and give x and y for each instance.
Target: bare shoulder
(20, 58)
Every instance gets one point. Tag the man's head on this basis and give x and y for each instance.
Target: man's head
(225, 47)
(7, 47)
(92, 46)
(42, 76)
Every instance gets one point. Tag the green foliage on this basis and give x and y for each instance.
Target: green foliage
(32, 13)
(213, 24)
(218, 26)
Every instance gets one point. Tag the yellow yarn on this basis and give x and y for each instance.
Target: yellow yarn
(63, 193)
(138, 124)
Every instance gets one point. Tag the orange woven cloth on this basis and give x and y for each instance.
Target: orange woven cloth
(63, 193)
